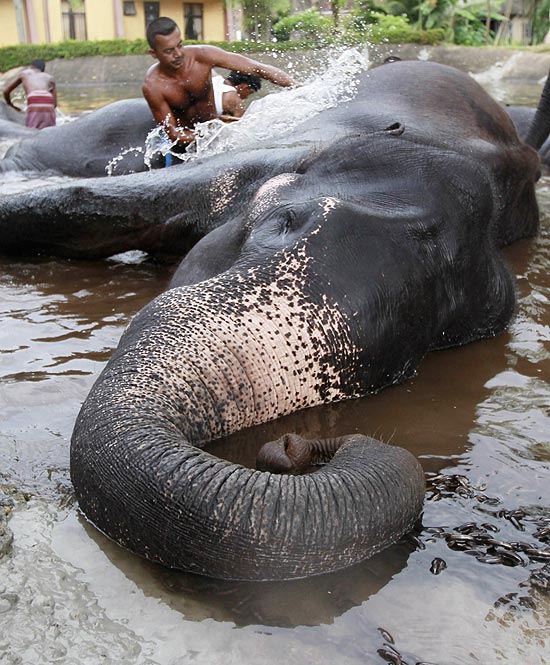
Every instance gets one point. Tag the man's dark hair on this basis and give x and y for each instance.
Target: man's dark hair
(160, 26)
(236, 78)
(39, 64)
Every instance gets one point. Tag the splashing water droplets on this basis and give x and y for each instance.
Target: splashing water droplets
(268, 118)
(111, 166)
(278, 114)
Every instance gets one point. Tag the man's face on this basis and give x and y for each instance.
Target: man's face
(244, 90)
(169, 50)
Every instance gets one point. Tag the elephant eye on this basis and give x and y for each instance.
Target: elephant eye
(289, 217)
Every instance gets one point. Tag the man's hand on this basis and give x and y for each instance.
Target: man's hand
(228, 118)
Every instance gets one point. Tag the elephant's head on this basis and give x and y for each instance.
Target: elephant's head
(333, 282)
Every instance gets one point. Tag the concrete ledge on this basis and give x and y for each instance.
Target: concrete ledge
(132, 68)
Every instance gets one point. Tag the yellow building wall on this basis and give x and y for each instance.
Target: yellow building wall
(214, 21)
(56, 23)
(100, 19)
(134, 26)
(9, 34)
(39, 17)
(8, 24)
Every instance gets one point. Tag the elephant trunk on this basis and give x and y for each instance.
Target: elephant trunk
(188, 371)
(293, 454)
(540, 127)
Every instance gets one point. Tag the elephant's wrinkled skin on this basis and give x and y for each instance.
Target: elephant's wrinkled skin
(14, 130)
(85, 147)
(12, 124)
(332, 282)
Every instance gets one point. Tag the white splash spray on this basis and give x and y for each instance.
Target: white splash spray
(279, 113)
(491, 78)
(268, 118)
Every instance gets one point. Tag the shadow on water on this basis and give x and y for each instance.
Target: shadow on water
(424, 414)
(306, 602)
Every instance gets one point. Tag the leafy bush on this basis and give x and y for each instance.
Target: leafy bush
(309, 24)
(377, 27)
(470, 34)
(315, 28)
(22, 54)
(387, 23)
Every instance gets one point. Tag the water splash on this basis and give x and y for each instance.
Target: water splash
(17, 182)
(112, 165)
(423, 54)
(268, 118)
(491, 79)
(156, 142)
(277, 114)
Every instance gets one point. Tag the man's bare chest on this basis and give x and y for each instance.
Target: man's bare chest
(181, 95)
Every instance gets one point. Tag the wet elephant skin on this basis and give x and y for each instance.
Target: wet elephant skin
(332, 281)
(84, 147)
(164, 212)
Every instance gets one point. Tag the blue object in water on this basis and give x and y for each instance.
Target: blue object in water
(168, 161)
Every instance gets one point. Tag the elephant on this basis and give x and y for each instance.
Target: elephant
(523, 118)
(332, 281)
(12, 124)
(14, 130)
(85, 147)
(10, 114)
(165, 212)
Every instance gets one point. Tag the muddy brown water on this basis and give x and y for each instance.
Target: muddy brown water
(479, 415)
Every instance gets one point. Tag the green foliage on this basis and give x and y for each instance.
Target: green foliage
(461, 21)
(257, 19)
(388, 22)
(22, 54)
(466, 34)
(539, 11)
(468, 28)
(309, 24)
(377, 27)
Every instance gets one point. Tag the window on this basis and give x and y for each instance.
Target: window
(152, 11)
(129, 8)
(73, 16)
(192, 18)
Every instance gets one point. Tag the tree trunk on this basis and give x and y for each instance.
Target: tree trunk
(504, 23)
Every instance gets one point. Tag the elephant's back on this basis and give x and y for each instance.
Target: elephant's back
(421, 96)
(85, 146)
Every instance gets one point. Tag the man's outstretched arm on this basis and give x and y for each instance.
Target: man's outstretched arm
(217, 57)
(9, 89)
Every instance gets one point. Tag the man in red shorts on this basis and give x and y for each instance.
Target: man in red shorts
(41, 95)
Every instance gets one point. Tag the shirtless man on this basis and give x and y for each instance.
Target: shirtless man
(178, 88)
(41, 95)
